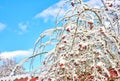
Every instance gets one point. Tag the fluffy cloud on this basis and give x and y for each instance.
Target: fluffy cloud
(2, 26)
(17, 53)
(23, 28)
(51, 11)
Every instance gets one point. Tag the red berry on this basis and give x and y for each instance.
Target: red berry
(96, 52)
(106, 9)
(113, 73)
(76, 55)
(119, 52)
(92, 68)
(116, 17)
(90, 22)
(98, 11)
(72, 4)
(88, 37)
(68, 30)
(44, 63)
(65, 41)
(110, 5)
(83, 61)
(49, 79)
(76, 64)
(102, 32)
(42, 79)
(119, 70)
(54, 70)
(61, 64)
(63, 37)
(97, 66)
(85, 47)
(83, 39)
(91, 27)
(80, 45)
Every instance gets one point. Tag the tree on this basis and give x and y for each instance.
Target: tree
(7, 66)
(84, 46)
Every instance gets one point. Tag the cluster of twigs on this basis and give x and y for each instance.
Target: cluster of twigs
(85, 46)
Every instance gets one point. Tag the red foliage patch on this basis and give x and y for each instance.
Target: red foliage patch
(25, 79)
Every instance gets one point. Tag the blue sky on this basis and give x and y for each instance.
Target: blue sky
(20, 24)
(20, 28)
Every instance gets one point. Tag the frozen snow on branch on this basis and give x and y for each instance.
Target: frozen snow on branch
(83, 47)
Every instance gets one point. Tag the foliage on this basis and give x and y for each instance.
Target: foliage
(84, 45)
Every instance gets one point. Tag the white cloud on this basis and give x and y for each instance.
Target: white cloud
(2, 26)
(52, 11)
(23, 27)
(17, 53)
